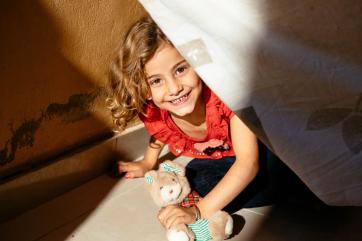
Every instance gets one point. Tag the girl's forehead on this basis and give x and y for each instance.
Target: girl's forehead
(164, 59)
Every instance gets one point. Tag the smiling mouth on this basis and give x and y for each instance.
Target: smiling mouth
(180, 100)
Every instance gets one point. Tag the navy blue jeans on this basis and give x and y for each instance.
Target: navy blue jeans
(273, 182)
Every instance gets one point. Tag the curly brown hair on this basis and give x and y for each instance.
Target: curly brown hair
(127, 77)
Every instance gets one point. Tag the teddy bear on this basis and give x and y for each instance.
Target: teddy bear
(169, 186)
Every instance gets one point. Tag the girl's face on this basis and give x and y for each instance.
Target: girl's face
(174, 85)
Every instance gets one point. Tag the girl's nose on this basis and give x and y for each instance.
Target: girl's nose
(174, 87)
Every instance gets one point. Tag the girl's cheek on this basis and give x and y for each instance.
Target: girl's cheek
(157, 93)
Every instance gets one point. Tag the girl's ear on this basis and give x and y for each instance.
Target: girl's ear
(149, 96)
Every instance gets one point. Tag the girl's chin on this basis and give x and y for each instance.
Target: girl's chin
(182, 112)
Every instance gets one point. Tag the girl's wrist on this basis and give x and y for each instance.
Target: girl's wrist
(197, 213)
(149, 164)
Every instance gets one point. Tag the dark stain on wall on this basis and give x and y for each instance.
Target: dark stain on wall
(22, 136)
(78, 107)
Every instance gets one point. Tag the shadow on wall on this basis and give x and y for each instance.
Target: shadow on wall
(47, 108)
(47, 112)
(47, 104)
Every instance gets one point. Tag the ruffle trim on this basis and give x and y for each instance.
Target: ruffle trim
(160, 125)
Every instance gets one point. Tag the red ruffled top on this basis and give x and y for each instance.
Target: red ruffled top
(215, 145)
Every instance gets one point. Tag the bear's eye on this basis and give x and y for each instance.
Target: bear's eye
(173, 179)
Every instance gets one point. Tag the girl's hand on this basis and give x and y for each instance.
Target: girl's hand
(139, 168)
(134, 169)
(172, 215)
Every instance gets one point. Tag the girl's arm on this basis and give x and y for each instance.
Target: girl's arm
(139, 168)
(240, 174)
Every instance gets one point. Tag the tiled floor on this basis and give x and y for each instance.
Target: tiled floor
(108, 209)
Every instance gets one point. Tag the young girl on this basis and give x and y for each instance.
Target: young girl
(150, 79)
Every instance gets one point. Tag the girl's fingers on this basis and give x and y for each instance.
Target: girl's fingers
(129, 175)
(132, 169)
(175, 219)
(126, 167)
(121, 166)
(172, 215)
(134, 173)
(163, 214)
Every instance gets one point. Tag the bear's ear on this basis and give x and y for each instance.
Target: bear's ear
(170, 166)
(150, 177)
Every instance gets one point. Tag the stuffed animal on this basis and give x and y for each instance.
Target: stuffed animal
(169, 185)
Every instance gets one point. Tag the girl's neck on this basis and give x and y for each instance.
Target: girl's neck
(193, 124)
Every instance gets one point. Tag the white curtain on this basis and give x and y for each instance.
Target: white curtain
(291, 70)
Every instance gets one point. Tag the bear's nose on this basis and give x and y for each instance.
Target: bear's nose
(171, 191)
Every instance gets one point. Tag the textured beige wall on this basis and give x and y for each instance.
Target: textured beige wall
(53, 69)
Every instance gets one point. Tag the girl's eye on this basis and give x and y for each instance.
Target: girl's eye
(173, 179)
(161, 188)
(155, 82)
(180, 70)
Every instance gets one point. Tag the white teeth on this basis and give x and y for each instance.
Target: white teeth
(179, 100)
